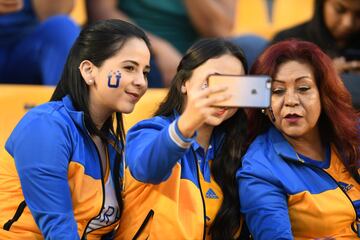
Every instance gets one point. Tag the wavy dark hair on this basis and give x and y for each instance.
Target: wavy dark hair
(228, 159)
(338, 121)
(97, 43)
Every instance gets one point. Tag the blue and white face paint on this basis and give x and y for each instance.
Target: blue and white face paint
(119, 83)
(117, 79)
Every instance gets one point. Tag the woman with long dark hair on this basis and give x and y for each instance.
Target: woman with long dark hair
(181, 164)
(300, 175)
(68, 151)
(335, 28)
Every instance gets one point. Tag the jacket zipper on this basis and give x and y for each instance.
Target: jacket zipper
(102, 185)
(19, 211)
(352, 204)
(201, 193)
(143, 225)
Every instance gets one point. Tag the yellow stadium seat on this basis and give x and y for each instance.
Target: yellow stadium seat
(253, 17)
(146, 107)
(79, 13)
(15, 100)
(288, 13)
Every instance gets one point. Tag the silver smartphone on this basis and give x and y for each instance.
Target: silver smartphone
(246, 91)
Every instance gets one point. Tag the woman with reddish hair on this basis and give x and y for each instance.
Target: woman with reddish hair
(300, 175)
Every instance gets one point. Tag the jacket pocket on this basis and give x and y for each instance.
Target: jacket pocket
(146, 221)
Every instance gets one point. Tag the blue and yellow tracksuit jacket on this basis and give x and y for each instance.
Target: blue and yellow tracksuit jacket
(51, 182)
(168, 190)
(284, 195)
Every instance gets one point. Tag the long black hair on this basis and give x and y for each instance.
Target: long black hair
(317, 31)
(228, 159)
(97, 43)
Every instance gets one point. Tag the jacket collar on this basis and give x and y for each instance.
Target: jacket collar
(76, 116)
(281, 145)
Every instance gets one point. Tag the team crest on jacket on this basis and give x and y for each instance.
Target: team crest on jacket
(346, 187)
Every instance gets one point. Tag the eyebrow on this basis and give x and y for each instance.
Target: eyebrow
(296, 79)
(147, 67)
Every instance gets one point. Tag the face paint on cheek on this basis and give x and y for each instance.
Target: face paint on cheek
(204, 85)
(117, 79)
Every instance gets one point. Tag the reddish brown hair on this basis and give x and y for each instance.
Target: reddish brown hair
(338, 122)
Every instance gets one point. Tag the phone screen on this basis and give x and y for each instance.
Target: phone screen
(246, 91)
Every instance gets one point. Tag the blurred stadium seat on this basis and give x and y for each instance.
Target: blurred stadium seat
(15, 100)
(79, 13)
(252, 17)
(146, 107)
(267, 17)
(287, 13)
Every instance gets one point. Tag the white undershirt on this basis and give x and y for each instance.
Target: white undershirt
(110, 212)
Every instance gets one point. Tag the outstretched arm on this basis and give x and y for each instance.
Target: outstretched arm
(212, 18)
(154, 146)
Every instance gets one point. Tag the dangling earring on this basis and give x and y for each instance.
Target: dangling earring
(270, 112)
(272, 116)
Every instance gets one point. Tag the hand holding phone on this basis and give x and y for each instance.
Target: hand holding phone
(199, 106)
(245, 91)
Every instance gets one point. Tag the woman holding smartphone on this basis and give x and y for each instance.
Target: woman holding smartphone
(179, 179)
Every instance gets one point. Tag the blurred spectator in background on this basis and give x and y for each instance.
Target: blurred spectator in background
(335, 28)
(175, 25)
(35, 39)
